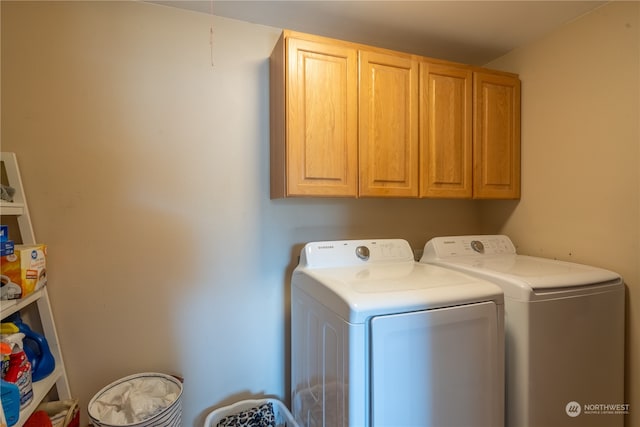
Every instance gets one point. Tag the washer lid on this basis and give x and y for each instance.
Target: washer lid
(497, 261)
(536, 273)
(381, 286)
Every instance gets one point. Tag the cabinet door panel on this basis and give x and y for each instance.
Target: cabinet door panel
(496, 136)
(445, 131)
(322, 119)
(388, 123)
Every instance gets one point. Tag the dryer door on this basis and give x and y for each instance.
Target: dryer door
(440, 367)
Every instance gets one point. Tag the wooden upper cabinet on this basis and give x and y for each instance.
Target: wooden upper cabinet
(445, 130)
(496, 156)
(349, 120)
(388, 125)
(314, 89)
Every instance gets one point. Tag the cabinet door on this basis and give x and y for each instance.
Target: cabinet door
(496, 155)
(321, 119)
(388, 123)
(445, 131)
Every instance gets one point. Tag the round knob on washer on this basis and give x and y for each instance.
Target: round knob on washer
(477, 246)
(362, 252)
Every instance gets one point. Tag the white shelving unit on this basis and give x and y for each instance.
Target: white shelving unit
(38, 300)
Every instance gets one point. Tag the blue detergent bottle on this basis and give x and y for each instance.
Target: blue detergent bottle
(36, 348)
(10, 393)
(10, 402)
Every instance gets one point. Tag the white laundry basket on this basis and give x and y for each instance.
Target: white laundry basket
(168, 416)
(241, 409)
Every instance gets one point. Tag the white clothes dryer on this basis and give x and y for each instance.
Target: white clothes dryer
(564, 325)
(378, 339)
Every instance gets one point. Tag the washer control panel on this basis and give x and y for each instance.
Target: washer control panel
(455, 246)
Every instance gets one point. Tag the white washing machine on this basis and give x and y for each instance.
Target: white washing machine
(378, 339)
(564, 325)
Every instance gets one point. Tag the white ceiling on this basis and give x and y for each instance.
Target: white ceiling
(473, 32)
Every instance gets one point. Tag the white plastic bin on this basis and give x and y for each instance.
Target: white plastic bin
(169, 415)
(244, 410)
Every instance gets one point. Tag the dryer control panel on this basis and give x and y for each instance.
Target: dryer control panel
(342, 253)
(456, 246)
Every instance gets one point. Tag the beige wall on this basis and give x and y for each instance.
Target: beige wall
(580, 155)
(147, 175)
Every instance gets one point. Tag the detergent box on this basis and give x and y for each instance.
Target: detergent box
(4, 233)
(24, 271)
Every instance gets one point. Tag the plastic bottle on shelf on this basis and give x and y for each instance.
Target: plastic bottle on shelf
(10, 402)
(5, 353)
(19, 371)
(36, 348)
(10, 395)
